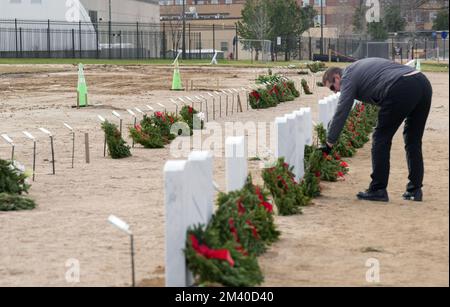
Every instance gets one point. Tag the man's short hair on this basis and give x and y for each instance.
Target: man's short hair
(329, 74)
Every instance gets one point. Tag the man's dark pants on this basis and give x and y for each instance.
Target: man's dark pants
(408, 100)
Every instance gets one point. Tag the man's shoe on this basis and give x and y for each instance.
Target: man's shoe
(416, 195)
(379, 195)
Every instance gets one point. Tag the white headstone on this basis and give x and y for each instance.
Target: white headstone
(281, 135)
(308, 125)
(176, 207)
(291, 157)
(300, 117)
(330, 104)
(202, 187)
(235, 163)
(323, 113)
(189, 196)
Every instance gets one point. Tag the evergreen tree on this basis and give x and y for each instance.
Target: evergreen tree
(441, 21)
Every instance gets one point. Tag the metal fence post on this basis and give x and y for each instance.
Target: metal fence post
(137, 40)
(79, 37)
(48, 39)
(120, 42)
(17, 38)
(164, 41)
(97, 51)
(214, 37)
(310, 49)
(200, 45)
(237, 43)
(20, 40)
(73, 43)
(109, 39)
(189, 41)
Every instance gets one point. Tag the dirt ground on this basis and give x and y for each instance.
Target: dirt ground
(328, 245)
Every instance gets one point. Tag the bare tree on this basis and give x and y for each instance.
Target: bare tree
(175, 21)
(344, 19)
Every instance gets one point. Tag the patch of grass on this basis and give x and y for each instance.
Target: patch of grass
(434, 67)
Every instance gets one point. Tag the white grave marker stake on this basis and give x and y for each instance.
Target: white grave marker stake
(134, 122)
(162, 106)
(102, 119)
(192, 102)
(52, 147)
(214, 104)
(33, 139)
(122, 226)
(10, 142)
(176, 106)
(226, 107)
(116, 114)
(220, 103)
(140, 112)
(73, 142)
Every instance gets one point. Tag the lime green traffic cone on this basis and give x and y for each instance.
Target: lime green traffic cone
(418, 65)
(177, 85)
(82, 99)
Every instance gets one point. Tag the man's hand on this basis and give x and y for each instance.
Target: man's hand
(326, 148)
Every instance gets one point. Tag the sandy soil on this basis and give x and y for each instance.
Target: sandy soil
(326, 246)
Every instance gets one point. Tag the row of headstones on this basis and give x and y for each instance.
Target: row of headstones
(293, 132)
(189, 185)
(189, 200)
(327, 108)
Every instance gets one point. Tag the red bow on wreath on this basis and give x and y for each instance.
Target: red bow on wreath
(263, 203)
(219, 254)
(253, 228)
(255, 94)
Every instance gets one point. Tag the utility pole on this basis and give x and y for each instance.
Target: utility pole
(321, 27)
(184, 31)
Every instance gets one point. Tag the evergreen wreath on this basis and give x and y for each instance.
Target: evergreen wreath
(213, 261)
(12, 180)
(288, 195)
(117, 147)
(246, 217)
(187, 114)
(12, 185)
(306, 88)
(10, 202)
